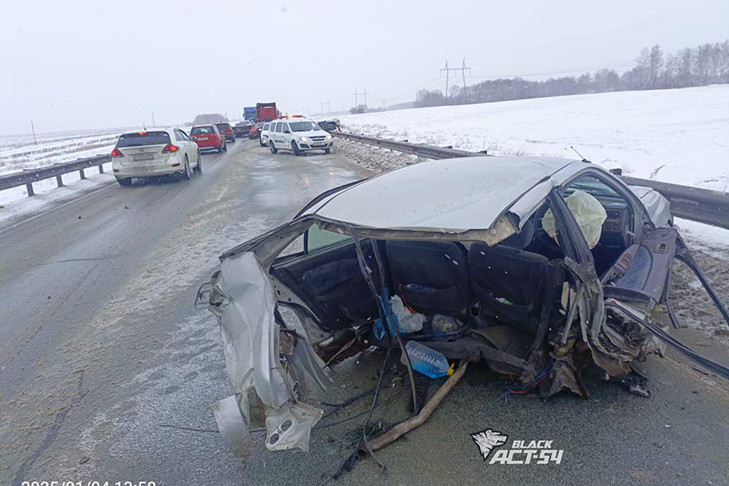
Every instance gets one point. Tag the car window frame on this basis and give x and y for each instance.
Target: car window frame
(341, 240)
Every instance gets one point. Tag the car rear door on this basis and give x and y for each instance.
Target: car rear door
(186, 146)
(277, 135)
(326, 276)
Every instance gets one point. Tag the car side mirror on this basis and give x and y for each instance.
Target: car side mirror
(287, 131)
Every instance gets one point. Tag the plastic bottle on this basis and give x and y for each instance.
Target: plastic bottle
(427, 361)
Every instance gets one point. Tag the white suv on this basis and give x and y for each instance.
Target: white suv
(152, 153)
(298, 135)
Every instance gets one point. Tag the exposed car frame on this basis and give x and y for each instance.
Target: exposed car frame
(606, 318)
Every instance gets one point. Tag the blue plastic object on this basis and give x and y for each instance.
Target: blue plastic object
(426, 361)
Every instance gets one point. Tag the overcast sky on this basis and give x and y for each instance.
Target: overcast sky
(78, 64)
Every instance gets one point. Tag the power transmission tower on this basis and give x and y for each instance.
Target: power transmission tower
(357, 95)
(447, 70)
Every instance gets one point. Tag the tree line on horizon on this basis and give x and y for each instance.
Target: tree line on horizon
(699, 66)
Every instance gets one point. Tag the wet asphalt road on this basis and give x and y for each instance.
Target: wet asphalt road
(103, 358)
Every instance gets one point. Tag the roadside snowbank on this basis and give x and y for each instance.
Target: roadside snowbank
(679, 135)
(18, 153)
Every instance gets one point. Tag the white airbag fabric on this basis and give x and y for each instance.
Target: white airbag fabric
(587, 211)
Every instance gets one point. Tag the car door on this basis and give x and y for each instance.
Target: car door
(191, 147)
(182, 143)
(633, 259)
(278, 134)
(285, 135)
(272, 132)
(327, 277)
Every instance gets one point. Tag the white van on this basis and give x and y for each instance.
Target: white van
(298, 135)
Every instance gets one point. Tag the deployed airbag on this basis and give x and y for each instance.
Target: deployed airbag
(587, 211)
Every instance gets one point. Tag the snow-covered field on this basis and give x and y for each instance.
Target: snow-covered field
(18, 153)
(678, 135)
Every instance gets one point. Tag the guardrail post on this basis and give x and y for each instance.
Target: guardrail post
(29, 188)
(101, 168)
(81, 173)
(59, 180)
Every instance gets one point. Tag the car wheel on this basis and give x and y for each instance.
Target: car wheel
(125, 182)
(187, 175)
(327, 150)
(272, 147)
(261, 142)
(295, 148)
(198, 167)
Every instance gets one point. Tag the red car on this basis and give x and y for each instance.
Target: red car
(208, 137)
(255, 131)
(226, 130)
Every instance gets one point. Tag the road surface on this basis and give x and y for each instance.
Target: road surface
(107, 371)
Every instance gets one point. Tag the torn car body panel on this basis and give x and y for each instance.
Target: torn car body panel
(461, 242)
(242, 298)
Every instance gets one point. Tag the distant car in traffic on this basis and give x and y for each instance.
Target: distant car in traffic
(242, 128)
(255, 131)
(330, 125)
(152, 153)
(209, 137)
(226, 130)
(298, 135)
(263, 136)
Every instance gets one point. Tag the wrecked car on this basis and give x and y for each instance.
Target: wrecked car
(537, 266)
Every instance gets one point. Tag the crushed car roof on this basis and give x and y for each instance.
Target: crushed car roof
(443, 195)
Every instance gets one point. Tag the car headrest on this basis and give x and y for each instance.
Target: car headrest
(521, 239)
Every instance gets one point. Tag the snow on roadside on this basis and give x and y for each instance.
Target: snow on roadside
(678, 135)
(15, 203)
(18, 153)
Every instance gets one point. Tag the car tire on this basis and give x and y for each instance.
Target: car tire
(327, 151)
(125, 182)
(187, 175)
(198, 167)
(295, 148)
(261, 143)
(272, 147)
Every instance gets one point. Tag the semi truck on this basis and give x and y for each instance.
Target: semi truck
(266, 112)
(250, 113)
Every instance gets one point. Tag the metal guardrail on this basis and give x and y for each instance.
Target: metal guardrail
(28, 177)
(692, 203)
(427, 151)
